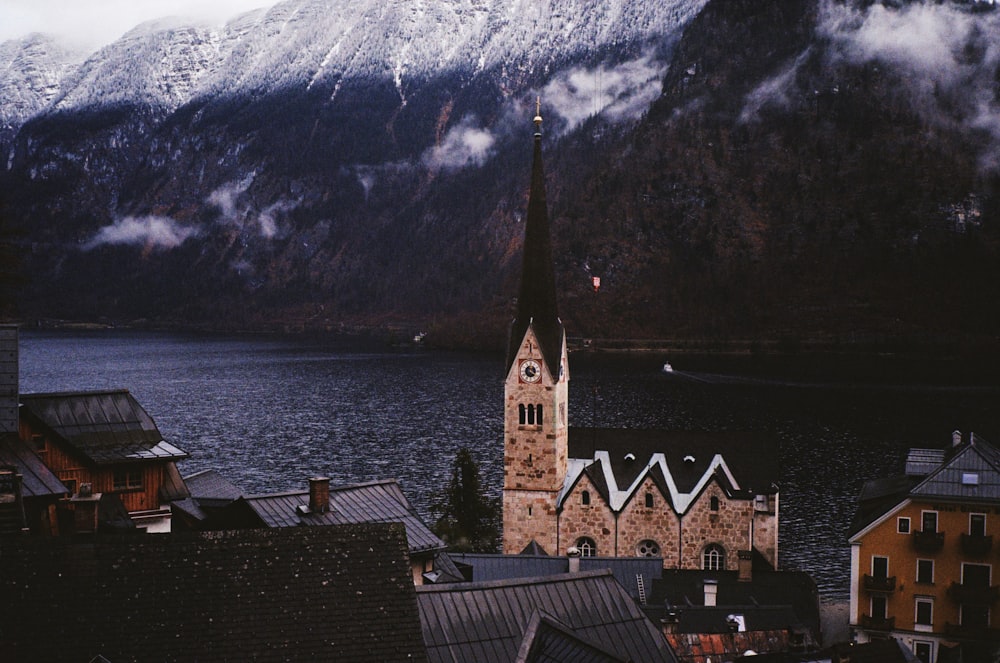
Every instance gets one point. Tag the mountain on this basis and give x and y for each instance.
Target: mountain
(731, 169)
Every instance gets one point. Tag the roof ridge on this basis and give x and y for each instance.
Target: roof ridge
(517, 582)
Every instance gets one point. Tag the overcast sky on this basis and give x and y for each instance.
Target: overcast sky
(95, 23)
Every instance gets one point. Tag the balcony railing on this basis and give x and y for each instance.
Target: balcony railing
(973, 594)
(928, 542)
(959, 632)
(875, 584)
(976, 545)
(878, 623)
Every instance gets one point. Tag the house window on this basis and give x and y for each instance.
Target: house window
(713, 558)
(880, 567)
(127, 480)
(975, 616)
(586, 546)
(929, 521)
(925, 571)
(649, 500)
(976, 575)
(713, 503)
(585, 497)
(878, 606)
(647, 548)
(923, 650)
(903, 525)
(924, 613)
(977, 524)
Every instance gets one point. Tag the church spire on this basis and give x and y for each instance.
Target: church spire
(536, 301)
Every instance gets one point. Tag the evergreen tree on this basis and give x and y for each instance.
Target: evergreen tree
(469, 521)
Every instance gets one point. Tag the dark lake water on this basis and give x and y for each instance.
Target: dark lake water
(270, 412)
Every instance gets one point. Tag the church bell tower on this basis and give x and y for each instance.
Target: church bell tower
(536, 389)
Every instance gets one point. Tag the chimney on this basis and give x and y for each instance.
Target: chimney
(711, 592)
(956, 438)
(319, 494)
(744, 565)
(574, 559)
(9, 392)
(85, 510)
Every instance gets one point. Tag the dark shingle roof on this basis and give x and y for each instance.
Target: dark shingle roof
(104, 426)
(297, 594)
(688, 454)
(487, 567)
(37, 480)
(373, 502)
(487, 622)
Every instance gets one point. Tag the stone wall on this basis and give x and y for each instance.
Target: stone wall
(595, 521)
(729, 526)
(637, 523)
(529, 515)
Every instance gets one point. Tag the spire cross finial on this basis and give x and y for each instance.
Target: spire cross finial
(538, 114)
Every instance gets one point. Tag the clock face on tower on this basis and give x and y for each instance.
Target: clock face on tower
(530, 371)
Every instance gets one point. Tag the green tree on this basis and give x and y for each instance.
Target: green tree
(469, 521)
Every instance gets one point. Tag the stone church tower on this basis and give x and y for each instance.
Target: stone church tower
(536, 390)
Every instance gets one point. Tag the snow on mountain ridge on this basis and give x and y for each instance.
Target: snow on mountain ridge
(304, 43)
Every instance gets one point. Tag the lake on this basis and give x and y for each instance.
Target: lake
(269, 412)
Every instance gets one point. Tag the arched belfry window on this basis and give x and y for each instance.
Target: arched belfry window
(522, 415)
(538, 414)
(585, 497)
(586, 546)
(713, 558)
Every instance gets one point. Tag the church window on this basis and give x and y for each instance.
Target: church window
(529, 509)
(713, 558)
(585, 497)
(649, 500)
(714, 503)
(538, 414)
(522, 416)
(647, 548)
(531, 415)
(529, 459)
(586, 546)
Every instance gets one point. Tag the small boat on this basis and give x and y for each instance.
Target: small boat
(667, 368)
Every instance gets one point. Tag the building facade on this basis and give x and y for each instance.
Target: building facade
(694, 499)
(922, 556)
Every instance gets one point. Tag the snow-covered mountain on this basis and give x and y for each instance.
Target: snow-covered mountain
(326, 160)
(308, 44)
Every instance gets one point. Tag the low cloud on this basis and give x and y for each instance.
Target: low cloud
(464, 145)
(619, 93)
(947, 55)
(773, 92)
(236, 210)
(150, 232)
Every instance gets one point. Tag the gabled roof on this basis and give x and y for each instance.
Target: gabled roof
(546, 640)
(536, 300)
(972, 473)
(487, 622)
(37, 480)
(106, 427)
(681, 462)
(372, 502)
(311, 593)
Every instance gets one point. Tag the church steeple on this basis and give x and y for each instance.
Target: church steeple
(536, 301)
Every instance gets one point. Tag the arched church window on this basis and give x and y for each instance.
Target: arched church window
(522, 416)
(647, 548)
(649, 500)
(714, 503)
(713, 558)
(586, 546)
(585, 497)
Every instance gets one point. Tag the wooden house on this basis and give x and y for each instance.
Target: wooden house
(104, 442)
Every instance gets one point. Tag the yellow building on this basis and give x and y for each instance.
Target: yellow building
(922, 554)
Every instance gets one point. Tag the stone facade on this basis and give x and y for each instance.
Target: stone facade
(727, 526)
(595, 520)
(639, 521)
(535, 449)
